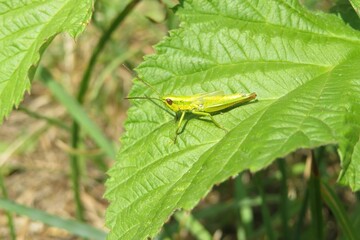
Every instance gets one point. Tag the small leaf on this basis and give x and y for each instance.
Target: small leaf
(27, 27)
(303, 67)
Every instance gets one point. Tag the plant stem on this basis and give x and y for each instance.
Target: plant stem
(315, 199)
(336, 206)
(100, 46)
(264, 209)
(72, 227)
(284, 199)
(193, 225)
(244, 227)
(8, 213)
(77, 112)
(75, 165)
(300, 222)
(52, 121)
(76, 177)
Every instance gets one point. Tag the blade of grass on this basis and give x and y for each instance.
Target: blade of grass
(100, 46)
(300, 223)
(264, 209)
(52, 121)
(87, 75)
(355, 218)
(261, 232)
(74, 227)
(337, 209)
(193, 225)
(22, 141)
(78, 113)
(109, 69)
(167, 231)
(284, 198)
(8, 213)
(224, 208)
(80, 98)
(244, 226)
(315, 200)
(221, 208)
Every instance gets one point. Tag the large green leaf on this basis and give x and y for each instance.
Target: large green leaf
(26, 28)
(304, 66)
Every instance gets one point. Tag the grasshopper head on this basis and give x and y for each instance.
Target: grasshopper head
(170, 103)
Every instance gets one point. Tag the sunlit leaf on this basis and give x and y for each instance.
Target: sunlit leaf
(26, 29)
(304, 66)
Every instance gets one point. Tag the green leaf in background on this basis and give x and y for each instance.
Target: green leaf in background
(74, 227)
(356, 5)
(26, 28)
(304, 66)
(347, 12)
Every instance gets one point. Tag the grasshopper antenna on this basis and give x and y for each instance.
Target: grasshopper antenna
(143, 81)
(143, 98)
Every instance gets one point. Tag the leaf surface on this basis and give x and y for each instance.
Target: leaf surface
(27, 27)
(303, 67)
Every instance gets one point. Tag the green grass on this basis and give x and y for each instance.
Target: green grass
(200, 187)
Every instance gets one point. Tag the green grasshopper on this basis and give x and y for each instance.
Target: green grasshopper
(202, 104)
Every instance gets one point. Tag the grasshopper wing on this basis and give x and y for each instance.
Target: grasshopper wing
(200, 97)
(203, 99)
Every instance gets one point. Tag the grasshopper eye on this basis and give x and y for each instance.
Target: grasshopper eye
(169, 101)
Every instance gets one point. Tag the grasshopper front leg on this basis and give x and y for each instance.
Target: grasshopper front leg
(179, 125)
(211, 117)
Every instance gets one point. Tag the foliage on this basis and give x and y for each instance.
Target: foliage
(304, 68)
(28, 27)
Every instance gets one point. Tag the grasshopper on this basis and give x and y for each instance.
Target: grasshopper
(202, 104)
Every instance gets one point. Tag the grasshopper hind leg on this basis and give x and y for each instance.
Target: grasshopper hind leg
(211, 117)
